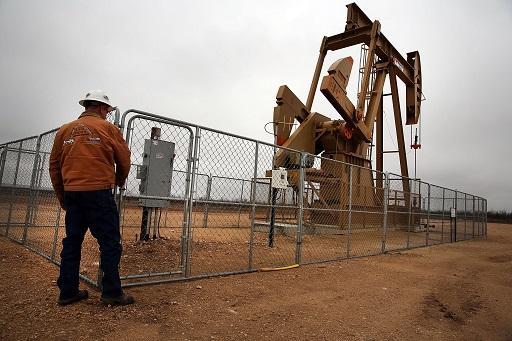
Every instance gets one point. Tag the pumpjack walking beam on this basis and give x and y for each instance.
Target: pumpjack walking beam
(360, 29)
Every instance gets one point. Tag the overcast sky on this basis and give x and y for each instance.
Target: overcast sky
(220, 63)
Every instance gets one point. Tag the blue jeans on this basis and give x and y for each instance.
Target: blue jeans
(95, 210)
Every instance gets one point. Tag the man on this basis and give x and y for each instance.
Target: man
(83, 175)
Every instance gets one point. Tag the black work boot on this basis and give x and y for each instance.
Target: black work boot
(81, 295)
(123, 299)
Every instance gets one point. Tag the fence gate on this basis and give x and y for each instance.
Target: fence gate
(154, 204)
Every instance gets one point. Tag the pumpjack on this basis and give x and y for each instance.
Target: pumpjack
(349, 138)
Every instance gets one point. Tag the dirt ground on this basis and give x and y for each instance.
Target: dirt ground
(459, 291)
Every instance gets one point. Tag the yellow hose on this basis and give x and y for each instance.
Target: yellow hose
(281, 268)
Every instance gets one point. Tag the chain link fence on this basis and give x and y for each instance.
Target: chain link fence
(15, 180)
(200, 202)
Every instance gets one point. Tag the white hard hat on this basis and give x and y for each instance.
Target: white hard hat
(97, 96)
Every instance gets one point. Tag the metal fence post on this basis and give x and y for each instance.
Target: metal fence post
(442, 221)
(455, 219)
(188, 189)
(395, 201)
(298, 248)
(479, 217)
(31, 198)
(385, 218)
(473, 217)
(119, 196)
(39, 178)
(349, 232)
(410, 214)
(428, 215)
(482, 217)
(465, 218)
(14, 183)
(485, 201)
(3, 158)
(208, 194)
(241, 202)
(253, 203)
(195, 160)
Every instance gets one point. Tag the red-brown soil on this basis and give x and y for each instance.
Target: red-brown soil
(459, 291)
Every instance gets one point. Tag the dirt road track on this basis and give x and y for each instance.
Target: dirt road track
(459, 291)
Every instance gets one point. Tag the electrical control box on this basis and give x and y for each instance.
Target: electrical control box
(280, 178)
(155, 174)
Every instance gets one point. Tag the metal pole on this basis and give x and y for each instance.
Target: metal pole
(481, 216)
(272, 217)
(396, 205)
(269, 200)
(119, 196)
(14, 182)
(479, 210)
(473, 217)
(385, 222)
(298, 250)
(349, 233)
(31, 197)
(144, 224)
(241, 200)
(365, 204)
(195, 160)
(411, 195)
(316, 75)
(465, 218)
(455, 219)
(428, 216)
(253, 203)
(421, 204)
(155, 222)
(442, 221)
(3, 158)
(39, 179)
(208, 197)
(486, 217)
(273, 198)
(477, 217)
(188, 188)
